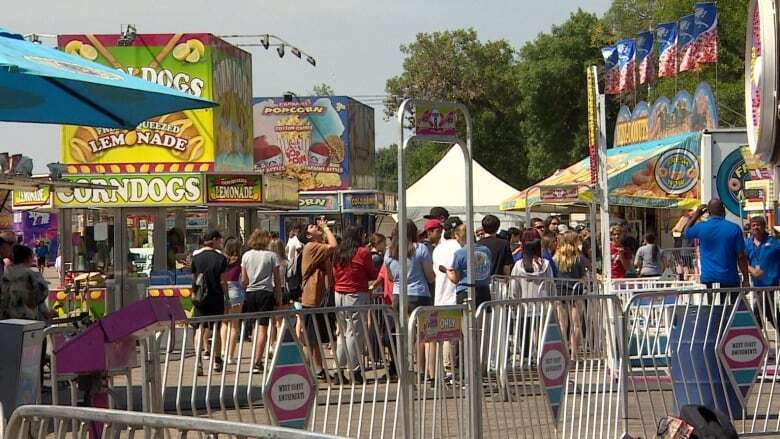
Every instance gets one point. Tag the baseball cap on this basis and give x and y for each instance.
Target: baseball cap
(432, 224)
(452, 222)
(8, 237)
(437, 212)
(563, 228)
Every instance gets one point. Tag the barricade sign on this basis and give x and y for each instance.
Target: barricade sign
(440, 325)
(553, 362)
(290, 389)
(742, 348)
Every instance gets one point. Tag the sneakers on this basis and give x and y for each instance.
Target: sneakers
(356, 377)
(324, 376)
(218, 364)
(257, 368)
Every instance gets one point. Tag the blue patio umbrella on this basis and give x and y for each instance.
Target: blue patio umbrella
(44, 85)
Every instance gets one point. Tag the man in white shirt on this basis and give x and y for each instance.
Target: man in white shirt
(443, 255)
(293, 244)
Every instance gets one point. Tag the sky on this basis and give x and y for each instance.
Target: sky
(356, 43)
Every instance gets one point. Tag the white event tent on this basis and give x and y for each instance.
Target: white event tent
(445, 185)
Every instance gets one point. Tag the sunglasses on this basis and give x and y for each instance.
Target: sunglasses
(539, 227)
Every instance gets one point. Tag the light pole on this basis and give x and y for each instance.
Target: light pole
(267, 41)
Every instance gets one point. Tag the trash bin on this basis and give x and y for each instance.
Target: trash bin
(21, 343)
(697, 375)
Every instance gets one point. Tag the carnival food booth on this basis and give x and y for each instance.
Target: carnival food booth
(172, 178)
(668, 158)
(327, 144)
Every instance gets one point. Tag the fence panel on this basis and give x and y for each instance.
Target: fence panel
(439, 367)
(352, 351)
(672, 357)
(36, 422)
(511, 341)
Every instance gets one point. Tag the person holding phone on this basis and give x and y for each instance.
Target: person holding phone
(722, 248)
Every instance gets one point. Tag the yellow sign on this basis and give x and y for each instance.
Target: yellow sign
(134, 190)
(28, 199)
(201, 65)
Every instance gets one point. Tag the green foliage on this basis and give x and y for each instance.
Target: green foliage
(323, 89)
(419, 159)
(554, 97)
(457, 66)
(727, 78)
(529, 105)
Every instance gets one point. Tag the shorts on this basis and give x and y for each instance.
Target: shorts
(210, 307)
(324, 324)
(236, 293)
(412, 303)
(42, 261)
(259, 301)
(483, 295)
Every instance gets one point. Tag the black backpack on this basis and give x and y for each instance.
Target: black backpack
(294, 279)
(708, 424)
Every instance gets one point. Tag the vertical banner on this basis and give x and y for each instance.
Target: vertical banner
(593, 92)
(627, 65)
(611, 72)
(645, 57)
(706, 33)
(687, 43)
(666, 34)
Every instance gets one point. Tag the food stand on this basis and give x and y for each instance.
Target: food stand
(327, 143)
(142, 233)
(661, 164)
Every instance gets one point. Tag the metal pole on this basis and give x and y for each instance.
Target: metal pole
(475, 384)
(403, 323)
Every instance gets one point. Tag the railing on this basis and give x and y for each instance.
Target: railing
(353, 349)
(36, 421)
(683, 262)
(674, 357)
(514, 346)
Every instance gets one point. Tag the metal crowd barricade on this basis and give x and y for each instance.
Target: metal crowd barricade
(683, 262)
(193, 384)
(515, 400)
(439, 366)
(673, 357)
(526, 287)
(36, 421)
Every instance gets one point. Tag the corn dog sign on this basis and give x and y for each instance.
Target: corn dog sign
(197, 64)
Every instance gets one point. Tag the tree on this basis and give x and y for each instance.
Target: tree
(457, 66)
(419, 159)
(323, 89)
(627, 17)
(554, 97)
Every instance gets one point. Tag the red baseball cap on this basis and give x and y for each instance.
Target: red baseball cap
(432, 224)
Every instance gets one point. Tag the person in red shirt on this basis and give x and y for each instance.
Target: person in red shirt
(353, 269)
(619, 256)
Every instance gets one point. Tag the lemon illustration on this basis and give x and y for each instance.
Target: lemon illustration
(88, 52)
(193, 57)
(95, 295)
(61, 296)
(168, 292)
(73, 46)
(195, 44)
(131, 137)
(181, 51)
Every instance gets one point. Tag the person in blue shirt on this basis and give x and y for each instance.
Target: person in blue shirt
(458, 272)
(763, 252)
(721, 247)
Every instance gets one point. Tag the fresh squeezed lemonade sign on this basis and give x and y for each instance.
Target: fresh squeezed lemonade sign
(134, 190)
(178, 61)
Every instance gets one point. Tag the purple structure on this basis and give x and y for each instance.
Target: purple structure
(35, 226)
